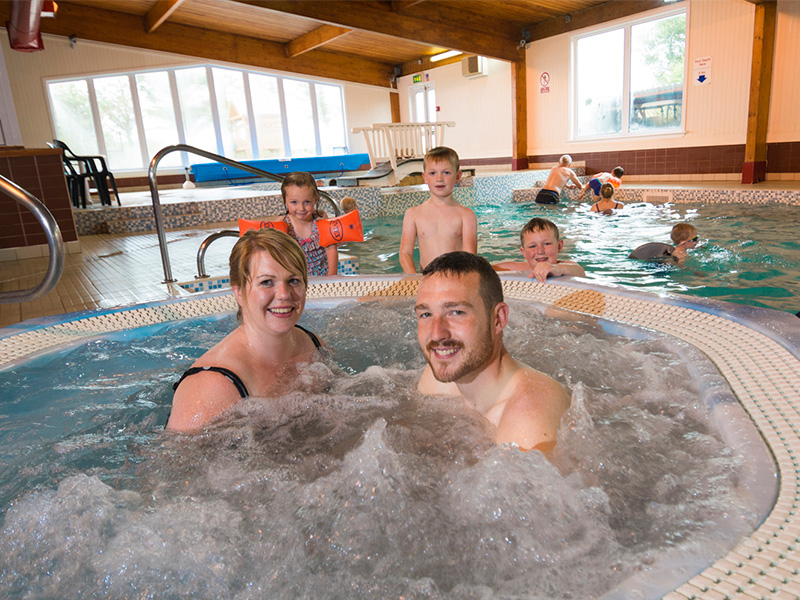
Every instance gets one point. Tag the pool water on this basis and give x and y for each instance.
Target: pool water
(356, 486)
(749, 254)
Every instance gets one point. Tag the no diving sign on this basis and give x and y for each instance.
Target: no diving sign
(544, 82)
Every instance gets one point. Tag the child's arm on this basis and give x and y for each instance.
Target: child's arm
(407, 240)
(469, 232)
(583, 190)
(544, 270)
(333, 259)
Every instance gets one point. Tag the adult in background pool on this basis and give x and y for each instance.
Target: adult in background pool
(460, 320)
(269, 278)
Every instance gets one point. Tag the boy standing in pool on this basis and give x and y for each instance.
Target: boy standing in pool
(540, 247)
(683, 235)
(559, 177)
(440, 224)
(598, 179)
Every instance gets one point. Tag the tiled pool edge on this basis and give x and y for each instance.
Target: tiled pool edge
(764, 375)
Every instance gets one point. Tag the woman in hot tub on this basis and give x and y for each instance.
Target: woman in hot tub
(260, 358)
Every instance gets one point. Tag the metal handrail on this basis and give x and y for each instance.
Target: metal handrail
(201, 253)
(54, 240)
(151, 175)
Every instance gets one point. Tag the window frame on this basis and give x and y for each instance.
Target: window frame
(626, 26)
(174, 98)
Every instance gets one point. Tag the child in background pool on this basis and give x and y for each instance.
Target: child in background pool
(541, 244)
(300, 196)
(348, 204)
(683, 235)
(606, 205)
(598, 179)
(440, 224)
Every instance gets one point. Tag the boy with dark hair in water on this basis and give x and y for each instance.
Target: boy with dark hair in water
(597, 180)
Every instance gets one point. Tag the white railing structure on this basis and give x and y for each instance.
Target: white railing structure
(393, 141)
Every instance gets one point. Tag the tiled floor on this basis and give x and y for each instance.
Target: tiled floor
(112, 270)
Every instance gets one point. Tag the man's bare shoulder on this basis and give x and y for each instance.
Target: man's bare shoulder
(535, 403)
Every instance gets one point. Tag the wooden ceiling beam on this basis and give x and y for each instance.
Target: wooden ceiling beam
(91, 23)
(439, 27)
(314, 39)
(591, 16)
(160, 12)
(401, 5)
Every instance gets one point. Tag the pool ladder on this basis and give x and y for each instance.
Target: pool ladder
(54, 241)
(162, 239)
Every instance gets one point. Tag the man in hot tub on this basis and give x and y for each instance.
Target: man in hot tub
(460, 320)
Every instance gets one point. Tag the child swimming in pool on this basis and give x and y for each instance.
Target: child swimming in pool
(606, 205)
(598, 179)
(541, 244)
(440, 224)
(300, 196)
(683, 235)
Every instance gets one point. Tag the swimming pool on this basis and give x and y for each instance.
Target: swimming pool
(176, 510)
(749, 254)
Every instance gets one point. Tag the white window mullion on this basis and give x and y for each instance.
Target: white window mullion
(98, 126)
(137, 114)
(251, 115)
(287, 146)
(215, 111)
(176, 106)
(315, 117)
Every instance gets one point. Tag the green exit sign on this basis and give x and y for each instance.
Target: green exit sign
(417, 78)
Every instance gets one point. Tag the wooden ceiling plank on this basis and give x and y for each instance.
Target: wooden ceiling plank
(591, 16)
(160, 12)
(314, 39)
(125, 30)
(401, 5)
(453, 33)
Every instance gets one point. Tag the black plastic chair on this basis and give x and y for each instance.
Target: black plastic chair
(90, 166)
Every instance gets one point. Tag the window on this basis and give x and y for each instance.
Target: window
(236, 113)
(630, 79)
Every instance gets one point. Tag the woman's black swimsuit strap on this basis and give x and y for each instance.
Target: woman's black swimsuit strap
(313, 337)
(233, 377)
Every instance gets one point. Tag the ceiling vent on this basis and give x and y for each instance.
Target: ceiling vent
(474, 66)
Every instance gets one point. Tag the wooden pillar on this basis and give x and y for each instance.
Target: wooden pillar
(754, 168)
(394, 100)
(519, 116)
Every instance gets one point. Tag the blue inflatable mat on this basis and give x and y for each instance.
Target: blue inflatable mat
(215, 171)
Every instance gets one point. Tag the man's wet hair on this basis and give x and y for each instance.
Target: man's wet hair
(463, 263)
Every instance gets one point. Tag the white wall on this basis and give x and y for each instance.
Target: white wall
(784, 114)
(27, 72)
(716, 114)
(480, 107)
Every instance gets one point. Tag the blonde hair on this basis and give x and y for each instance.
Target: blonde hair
(565, 160)
(348, 204)
(440, 154)
(682, 232)
(279, 245)
(606, 190)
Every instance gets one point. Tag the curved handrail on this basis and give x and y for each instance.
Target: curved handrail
(54, 240)
(201, 253)
(151, 175)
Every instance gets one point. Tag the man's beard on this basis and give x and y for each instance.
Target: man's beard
(470, 361)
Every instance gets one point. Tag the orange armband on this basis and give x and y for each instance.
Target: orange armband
(344, 228)
(245, 224)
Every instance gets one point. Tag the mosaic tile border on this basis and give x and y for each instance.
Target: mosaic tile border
(763, 373)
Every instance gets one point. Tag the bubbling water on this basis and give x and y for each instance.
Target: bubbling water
(358, 487)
